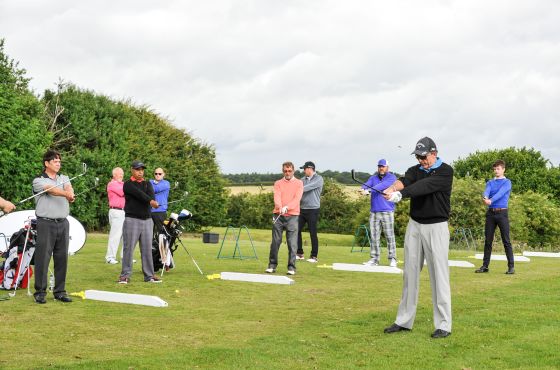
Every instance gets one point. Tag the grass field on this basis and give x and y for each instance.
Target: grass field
(328, 319)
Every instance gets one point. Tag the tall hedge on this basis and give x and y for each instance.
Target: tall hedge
(23, 136)
(104, 133)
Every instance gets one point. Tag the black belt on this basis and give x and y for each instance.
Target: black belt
(496, 210)
(52, 219)
(120, 209)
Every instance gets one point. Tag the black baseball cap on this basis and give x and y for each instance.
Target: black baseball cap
(308, 164)
(137, 164)
(424, 146)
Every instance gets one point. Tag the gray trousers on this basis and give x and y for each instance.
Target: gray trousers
(137, 230)
(377, 221)
(429, 241)
(52, 240)
(290, 224)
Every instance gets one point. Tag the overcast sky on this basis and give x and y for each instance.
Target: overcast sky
(341, 83)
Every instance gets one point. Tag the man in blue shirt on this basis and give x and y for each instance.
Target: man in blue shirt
(161, 191)
(496, 196)
(382, 214)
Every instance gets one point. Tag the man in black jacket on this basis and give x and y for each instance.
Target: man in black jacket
(138, 225)
(428, 185)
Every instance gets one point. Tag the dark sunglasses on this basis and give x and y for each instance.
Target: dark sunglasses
(156, 173)
(421, 157)
(288, 171)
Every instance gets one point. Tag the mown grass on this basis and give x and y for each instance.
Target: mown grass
(328, 319)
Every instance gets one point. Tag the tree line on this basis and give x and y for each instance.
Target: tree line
(254, 178)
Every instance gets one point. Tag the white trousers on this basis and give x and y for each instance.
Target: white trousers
(116, 221)
(429, 241)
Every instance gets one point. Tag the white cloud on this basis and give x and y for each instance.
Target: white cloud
(340, 83)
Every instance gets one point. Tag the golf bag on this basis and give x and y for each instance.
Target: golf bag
(165, 241)
(19, 258)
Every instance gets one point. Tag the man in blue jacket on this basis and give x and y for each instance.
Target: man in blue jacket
(161, 191)
(496, 196)
(382, 214)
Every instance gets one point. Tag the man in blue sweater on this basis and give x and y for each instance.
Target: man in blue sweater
(382, 214)
(496, 197)
(161, 192)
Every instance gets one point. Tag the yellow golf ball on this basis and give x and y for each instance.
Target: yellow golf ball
(176, 290)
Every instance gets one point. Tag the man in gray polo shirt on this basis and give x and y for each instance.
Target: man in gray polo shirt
(52, 208)
(309, 210)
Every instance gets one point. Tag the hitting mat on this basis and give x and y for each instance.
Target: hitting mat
(541, 254)
(141, 299)
(366, 268)
(502, 257)
(256, 278)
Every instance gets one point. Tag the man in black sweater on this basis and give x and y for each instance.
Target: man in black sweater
(428, 185)
(138, 225)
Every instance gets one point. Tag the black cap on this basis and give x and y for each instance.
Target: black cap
(137, 164)
(424, 146)
(308, 164)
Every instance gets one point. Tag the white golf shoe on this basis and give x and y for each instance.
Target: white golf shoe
(393, 262)
(371, 262)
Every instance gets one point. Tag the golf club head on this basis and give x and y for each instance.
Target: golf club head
(96, 181)
(84, 167)
(176, 185)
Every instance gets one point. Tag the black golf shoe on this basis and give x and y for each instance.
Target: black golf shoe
(63, 298)
(510, 271)
(394, 328)
(40, 299)
(482, 269)
(439, 333)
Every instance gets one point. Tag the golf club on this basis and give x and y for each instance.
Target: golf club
(359, 182)
(96, 182)
(84, 170)
(179, 200)
(186, 250)
(20, 263)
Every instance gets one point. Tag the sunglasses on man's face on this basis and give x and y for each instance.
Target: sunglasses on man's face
(421, 157)
(288, 171)
(158, 174)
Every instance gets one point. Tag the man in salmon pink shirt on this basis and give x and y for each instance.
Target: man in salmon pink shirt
(287, 196)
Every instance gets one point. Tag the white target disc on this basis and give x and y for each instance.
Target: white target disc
(14, 221)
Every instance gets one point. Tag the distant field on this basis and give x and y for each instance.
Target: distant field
(351, 190)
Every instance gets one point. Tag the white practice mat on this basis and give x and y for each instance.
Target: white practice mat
(366, 268)
(257, 278)
(541, 254)
(502, 257)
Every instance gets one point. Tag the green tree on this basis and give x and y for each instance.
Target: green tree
(23, 137)
(104, 133)
(526, 168)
